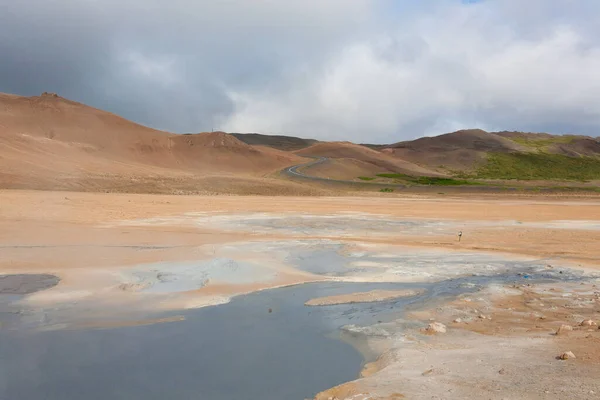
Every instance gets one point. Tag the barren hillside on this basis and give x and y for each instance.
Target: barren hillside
(50, 142)
(360, 160)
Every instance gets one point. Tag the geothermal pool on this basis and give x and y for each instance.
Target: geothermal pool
(265, 345)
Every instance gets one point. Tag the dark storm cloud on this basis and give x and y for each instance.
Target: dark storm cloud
(165, 64)
(376, 71)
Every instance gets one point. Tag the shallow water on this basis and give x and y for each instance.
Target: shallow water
(235, 351)
(239, 350)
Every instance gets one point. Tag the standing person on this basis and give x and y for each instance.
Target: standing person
(459, 235)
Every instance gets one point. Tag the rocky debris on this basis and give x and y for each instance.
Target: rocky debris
(564, 329)
(436, 327)
(588, 322)
(566, 355)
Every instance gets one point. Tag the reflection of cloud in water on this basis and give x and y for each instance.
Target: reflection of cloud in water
(184, 276)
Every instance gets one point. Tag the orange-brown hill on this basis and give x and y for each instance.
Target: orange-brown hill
(349, 160)
(48, 142)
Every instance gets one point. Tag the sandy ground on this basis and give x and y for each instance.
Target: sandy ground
(175, 252)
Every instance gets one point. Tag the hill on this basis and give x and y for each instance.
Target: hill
(349, 161)
(51, 142)
(286, 143)
(504, 155)
(457, 150)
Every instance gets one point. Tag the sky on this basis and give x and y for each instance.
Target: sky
(368, 71)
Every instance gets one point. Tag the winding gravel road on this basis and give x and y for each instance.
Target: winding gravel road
(293, 172)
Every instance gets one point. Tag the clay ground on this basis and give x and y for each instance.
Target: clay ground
(89, 240)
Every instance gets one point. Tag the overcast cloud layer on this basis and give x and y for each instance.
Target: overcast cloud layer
(360, 70)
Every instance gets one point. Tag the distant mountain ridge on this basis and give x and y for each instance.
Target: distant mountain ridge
(280, 142)
(51, 142)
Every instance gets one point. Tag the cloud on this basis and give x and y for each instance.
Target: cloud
(367, 71)
(451, 67)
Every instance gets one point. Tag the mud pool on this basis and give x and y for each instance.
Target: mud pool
(20, 284)
(265, 345)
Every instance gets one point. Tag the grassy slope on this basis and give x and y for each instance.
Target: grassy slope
(427, 180)
(541, 166)
(535, 164)
(541, 144)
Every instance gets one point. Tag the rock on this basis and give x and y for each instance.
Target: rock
(566, 355)
(564, 329)
(502, 371)
(436, 327)
(457, 320)
(588, 322)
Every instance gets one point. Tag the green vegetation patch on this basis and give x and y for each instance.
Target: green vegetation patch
(386, 190)
(365, 178)
(529, 166)
(542, 143)
(394, 176)
(429, 180)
